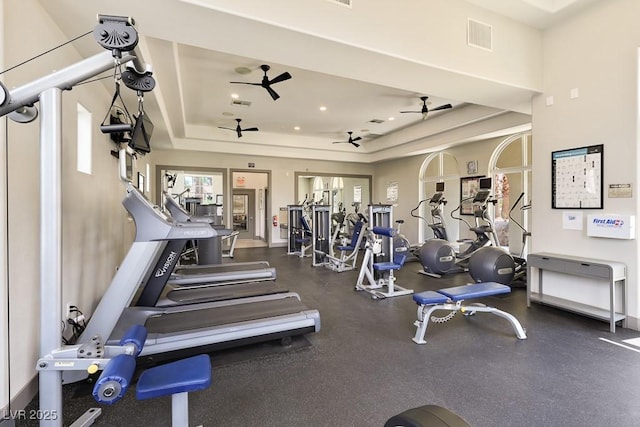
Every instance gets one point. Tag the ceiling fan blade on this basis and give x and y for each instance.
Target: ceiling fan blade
(282, 77)
(354, 144)
(250, 130)
(411, 111)
(233, 129)
(442, 107)
(357, 138)
(239, 132)
(272, 92)
(247, 83)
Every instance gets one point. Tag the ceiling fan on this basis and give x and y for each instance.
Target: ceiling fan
(351, 140)
(425, 110)
(238, 129)
(266, 83)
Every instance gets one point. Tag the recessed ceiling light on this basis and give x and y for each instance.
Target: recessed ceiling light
(391, 118)
(242, 70)
(296, 128)
(323, 108)
(235, 96)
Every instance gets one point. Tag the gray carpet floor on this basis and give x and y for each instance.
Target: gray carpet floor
(362, 367)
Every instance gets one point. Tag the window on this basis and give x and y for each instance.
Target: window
(439, 167)
(84, 141)
(510, 167)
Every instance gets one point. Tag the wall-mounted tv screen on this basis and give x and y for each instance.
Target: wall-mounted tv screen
(141, 136)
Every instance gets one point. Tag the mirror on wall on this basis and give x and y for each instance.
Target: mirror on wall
(338, 191)
(200, 191)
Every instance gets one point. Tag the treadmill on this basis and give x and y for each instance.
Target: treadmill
(211, 325)
(202, 282)
(193, 274)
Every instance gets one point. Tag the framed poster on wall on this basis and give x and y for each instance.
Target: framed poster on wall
(576, 178)
(469, 186)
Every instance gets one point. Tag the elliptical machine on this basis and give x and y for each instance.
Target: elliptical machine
(438, 257)
(494, 264)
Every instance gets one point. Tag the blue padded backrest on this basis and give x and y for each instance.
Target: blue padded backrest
(357, 229)
(399, 258)
(305, 224)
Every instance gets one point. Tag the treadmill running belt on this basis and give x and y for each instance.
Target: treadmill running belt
(221, 293)
(168, 323)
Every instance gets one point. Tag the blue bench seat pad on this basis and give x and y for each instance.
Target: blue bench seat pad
(475, 290)
(458, 293)
(385, 266)
(429, 297)
(185, 375)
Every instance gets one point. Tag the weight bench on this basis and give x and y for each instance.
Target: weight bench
(451, 299)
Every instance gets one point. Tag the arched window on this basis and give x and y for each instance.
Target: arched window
(510, 167)
(439, 167)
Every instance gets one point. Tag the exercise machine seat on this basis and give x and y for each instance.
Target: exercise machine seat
(427, 416)
(355, 236)
(185, 375)
(396, 264)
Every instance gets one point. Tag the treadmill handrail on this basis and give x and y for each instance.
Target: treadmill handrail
(153, 225)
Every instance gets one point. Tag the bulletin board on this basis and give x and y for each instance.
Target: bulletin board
(577, 176)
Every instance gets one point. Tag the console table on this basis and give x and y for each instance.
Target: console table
(614, 272)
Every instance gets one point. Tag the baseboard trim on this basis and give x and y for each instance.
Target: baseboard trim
(20, 401)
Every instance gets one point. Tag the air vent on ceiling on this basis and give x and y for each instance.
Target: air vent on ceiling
(479, 35)
(240, 103)
(346, 3)
(376, 121)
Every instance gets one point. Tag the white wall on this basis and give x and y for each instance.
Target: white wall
(597, 53)
(93, 219)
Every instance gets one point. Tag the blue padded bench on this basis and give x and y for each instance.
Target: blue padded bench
(451, 299)
(176, 379)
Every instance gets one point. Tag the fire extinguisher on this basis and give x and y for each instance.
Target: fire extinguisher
(275, 220)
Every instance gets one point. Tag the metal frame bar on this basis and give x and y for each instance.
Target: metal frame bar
(48, 90)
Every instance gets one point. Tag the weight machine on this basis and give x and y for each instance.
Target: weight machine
(299, 236)
(119, 37)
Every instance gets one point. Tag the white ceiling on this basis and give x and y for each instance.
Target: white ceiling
(193, 94)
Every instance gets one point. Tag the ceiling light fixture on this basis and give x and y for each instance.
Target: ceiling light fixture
(296, 128)
(323, 108)
(235, 96)
(242, 70)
